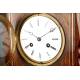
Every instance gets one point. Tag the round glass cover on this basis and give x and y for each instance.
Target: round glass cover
(4, 40)
(41, 38)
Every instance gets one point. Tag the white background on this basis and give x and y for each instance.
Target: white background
(35, 72)
(40, 73)
(53, 6)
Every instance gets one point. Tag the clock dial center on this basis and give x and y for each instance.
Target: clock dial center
(39, 39)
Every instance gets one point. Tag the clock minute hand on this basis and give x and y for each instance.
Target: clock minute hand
(51, 30)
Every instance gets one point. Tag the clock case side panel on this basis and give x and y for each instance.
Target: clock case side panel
(78, 39)
(72, 40)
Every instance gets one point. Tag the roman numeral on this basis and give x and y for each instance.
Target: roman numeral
(39, 55)
(38, 22)
(54, 38)
(31, 25)
(48, 54)
(24, 39)
(32, 52)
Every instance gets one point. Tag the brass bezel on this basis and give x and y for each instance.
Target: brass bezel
(11, 33)
(22, 53)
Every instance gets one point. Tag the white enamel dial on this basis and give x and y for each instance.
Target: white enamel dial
(40, 38)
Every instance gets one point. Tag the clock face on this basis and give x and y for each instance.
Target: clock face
(41, 39)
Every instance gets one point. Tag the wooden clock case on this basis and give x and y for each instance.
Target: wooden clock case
(70, 24)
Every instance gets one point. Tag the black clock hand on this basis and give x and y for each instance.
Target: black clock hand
(53, 47)
(48, 45)
(27, 46)
(51, 30)
(30, 44)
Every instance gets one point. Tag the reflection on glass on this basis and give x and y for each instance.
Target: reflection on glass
(4, 42)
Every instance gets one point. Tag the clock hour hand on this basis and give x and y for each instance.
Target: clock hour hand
(51, 30)
(32, 34)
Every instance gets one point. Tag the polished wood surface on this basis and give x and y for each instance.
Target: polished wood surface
(78, 49)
